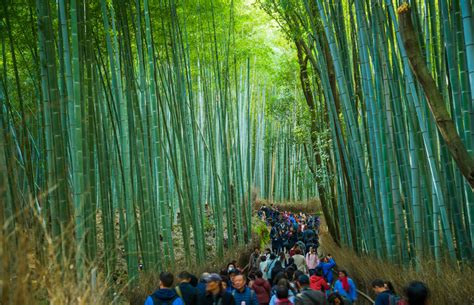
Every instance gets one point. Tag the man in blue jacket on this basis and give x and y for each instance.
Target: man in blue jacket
(166, 295)
(326, 265)
(242, 293)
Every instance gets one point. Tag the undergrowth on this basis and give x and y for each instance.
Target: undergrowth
(450, 285)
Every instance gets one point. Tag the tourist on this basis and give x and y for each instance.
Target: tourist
(299, 260)
(276, 270)
(335, 299)
(201, 286)
(287, 285)
(282, 296)
(263, 266)
(188, 293)
(270, 264)
(312, 259)
(345, 287)
(242, 293)
(254, 258)
(326, 266)
(166, 294)
(382, 292)
(417, 293)
(282, 259)
(262, 288)
(215, 293)
(307, 296)
(317, 281)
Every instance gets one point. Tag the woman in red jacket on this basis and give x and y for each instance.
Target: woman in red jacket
(317, 281)
(262, 288)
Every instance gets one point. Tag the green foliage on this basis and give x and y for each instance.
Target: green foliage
(260, 229)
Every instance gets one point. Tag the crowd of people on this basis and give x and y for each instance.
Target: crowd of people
(290, 272)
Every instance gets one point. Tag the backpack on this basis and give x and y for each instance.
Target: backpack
(179, 293)
(396, 300)
(157, 301)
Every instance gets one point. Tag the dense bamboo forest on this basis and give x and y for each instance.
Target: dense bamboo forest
(126, 123)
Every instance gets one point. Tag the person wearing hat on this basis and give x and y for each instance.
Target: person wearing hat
(215, 293)
(307, 296)
(166, 294)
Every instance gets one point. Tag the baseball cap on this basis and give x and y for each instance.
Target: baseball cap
(213, 277)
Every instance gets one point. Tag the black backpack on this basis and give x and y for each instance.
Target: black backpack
(157, 301)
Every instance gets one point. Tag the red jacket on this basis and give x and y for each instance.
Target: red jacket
(318, 283)
(262, 289)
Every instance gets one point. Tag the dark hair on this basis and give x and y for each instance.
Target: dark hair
(378, 283)
(259, 274)
(344, 271)
(297, 251)
(389, 286)
(319, 272)
(193, 280)
(289, 272)
(278, 277)
(417, 293)
(166, 279)
(184, 275)
(282, 292)
(263, 258)
(333, 296)
(303, 279)
(272, 256)
(277, 265)
(284, 282)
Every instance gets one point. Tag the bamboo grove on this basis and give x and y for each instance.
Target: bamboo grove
(122, 120)
(400, 194)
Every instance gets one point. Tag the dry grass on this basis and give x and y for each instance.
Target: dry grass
(34, 275)
(450, 286)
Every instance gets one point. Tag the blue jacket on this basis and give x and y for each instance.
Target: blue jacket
(201, 287)
(248, 295)
(164, 295)
(383, 298)
(327, 272)
(351, 294)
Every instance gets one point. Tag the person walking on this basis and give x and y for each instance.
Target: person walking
(345, 287)
(282, 296)
(317, 281)
(307, 296)
(165, 294)
(262, 288)
(300, 261)
(254, 257)
(269, 266)
(188, 293)
(382, 292)
(417, 293)
(242, 293)
(215, 293)
(312, 259)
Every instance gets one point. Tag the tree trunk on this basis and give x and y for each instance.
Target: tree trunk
(433, 96)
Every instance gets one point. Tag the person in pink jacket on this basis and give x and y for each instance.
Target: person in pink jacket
(312, 259)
